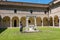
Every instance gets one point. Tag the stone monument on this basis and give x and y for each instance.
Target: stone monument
(31, 28)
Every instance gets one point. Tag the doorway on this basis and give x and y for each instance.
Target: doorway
(15, 23)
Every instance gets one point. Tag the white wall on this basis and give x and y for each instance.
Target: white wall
(6, 11)
(55, 11)
(20, 13)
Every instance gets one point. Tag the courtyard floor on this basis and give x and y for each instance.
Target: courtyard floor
(46, 33)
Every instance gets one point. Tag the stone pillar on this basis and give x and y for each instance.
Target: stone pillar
(49, 17)
(59, 22)
(48, 21)
(42, 22)
(35, 22)
(19, 23)
(53, 21)
(27, 22)
(10, 23)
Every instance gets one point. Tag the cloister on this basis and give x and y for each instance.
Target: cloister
(15, 21)
(12, 13)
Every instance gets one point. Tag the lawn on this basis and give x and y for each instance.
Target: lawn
(45, 34)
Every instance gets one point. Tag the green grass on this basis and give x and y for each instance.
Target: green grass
(45, 34)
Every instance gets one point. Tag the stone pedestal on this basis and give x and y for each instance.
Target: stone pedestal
(31, 29)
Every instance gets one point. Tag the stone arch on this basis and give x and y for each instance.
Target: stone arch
(31, 21)
(23, 20)
(38, 21)
(51, 21)
(6, 21)
(15, 21)
(56, 20)
(45, 21)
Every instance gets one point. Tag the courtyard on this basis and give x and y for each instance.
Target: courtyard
(38, 21)
(46, 33)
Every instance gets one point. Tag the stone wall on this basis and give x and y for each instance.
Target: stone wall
(55, 10)
(21, 13)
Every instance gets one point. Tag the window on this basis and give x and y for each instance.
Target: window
(15, 11)
(31, 11)
(45, 12)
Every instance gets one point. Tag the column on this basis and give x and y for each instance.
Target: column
(10, 23)
(53, 21)
(59, 22)
(35, 22)
(49, 18)
(27, 22)
(19, 23)
(48, 22)
(42, 22)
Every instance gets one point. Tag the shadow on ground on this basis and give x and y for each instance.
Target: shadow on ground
(2, 29)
